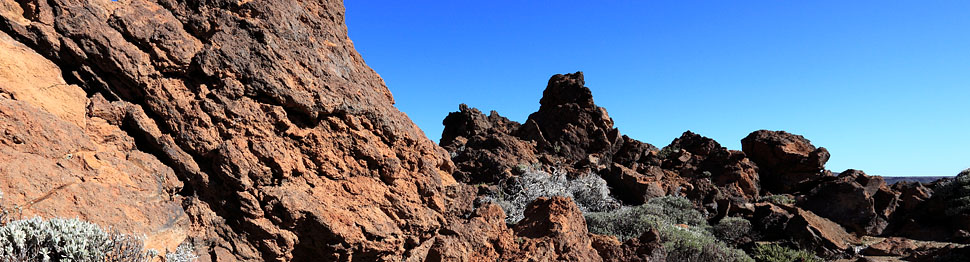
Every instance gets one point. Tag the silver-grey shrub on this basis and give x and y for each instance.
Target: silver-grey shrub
(589, 191)
(59, 239)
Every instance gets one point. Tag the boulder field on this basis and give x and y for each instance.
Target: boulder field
(253, 131)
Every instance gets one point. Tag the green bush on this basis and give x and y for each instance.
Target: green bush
(631, 222)
(777, 253)
(683, 231)
(734, 230)
(60, 239)
(778, 199)
(692, 245)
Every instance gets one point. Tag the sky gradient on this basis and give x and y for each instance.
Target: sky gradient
(884, 85)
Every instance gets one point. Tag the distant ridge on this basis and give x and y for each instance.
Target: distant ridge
(922, 179)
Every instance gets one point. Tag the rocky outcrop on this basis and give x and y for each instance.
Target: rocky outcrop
(568, 132)
(483, 148)
(696, 156)
(786, 162)
(58, 159)
(862, 203)
(288, 145)
(554, 229)
(821, 235)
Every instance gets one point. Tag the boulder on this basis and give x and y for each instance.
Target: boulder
(862, 203)
(483, 148)
(824, 237)
(554, 227)
(785, 161)
(645, 248)
(696, 156)
(893, 246)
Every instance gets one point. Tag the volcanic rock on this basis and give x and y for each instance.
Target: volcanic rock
(823, 236)
(556, 229)
(862, 203)
(893, 246)
(645, 248)
(288, 145)
(483, 148)
(697, 156)
(785, 160)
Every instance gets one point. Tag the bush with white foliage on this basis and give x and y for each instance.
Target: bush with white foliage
(59, 239)
(589, 191)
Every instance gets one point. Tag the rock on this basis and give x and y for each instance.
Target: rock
(568, 133)
(27, 76)
(54, 168)
(949, 252)
(571, 123)
(554, 227)
(483, 148)
(770, 220)
(288, 145)
(785, 161)
(635, 188)
(701, 157)
(821, 235)
(862, 203)
(893, 246)
(645, 248)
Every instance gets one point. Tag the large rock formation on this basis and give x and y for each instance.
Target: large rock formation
(786, 162)
(288, 146)
(855, 200)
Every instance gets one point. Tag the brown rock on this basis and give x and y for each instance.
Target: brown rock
(785, 160)
(54, 168)
(554, 227)
(571, 123)
(289, 145)
(862, 203)
(483, 148)
(821, 235)
(697, 156)
(893, 246)
(645, 248)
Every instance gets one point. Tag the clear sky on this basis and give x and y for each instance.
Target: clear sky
(884, 85)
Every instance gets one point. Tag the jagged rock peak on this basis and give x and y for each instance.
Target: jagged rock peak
(567, 89)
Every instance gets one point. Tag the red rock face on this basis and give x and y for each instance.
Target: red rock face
(288, 145)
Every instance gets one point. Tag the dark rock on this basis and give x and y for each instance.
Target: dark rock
(785, 161)
(482, 148)
(820, 235)
(862, 203)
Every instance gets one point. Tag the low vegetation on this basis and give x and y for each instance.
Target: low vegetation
(733, 230)
(684, 232)
(778, 199)
(778, 253)
(589, 191)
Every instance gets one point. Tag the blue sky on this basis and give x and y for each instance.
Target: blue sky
(884, 85)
